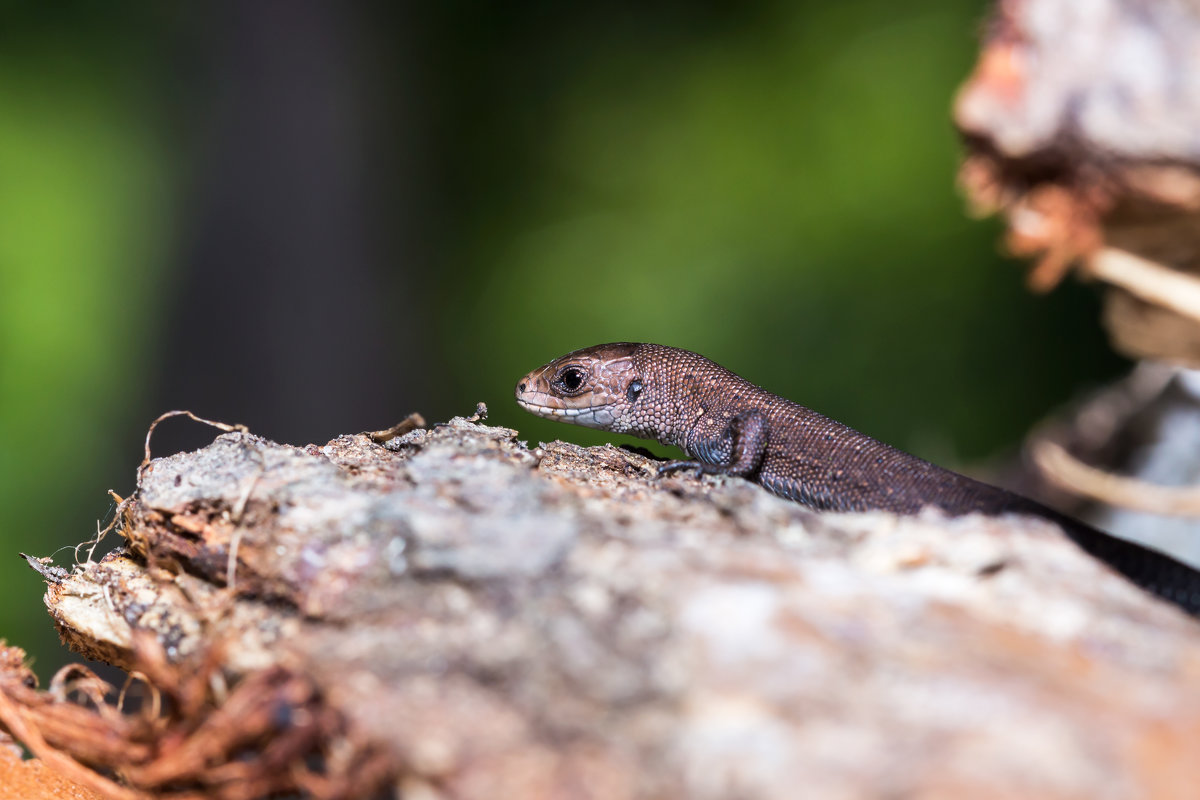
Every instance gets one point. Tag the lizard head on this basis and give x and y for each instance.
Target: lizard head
(598, 387)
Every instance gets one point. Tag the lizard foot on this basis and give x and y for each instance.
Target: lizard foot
(670, 467)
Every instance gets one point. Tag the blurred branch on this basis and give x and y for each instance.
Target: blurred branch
(1148, 280)
(1069, 473)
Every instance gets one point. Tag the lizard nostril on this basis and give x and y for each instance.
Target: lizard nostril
(520, 387)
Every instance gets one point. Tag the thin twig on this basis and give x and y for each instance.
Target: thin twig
(155, 695)
(1069, 473)
(1148, 280)
(239, 509)
(411, 422)
(224, 426)
(118, 512)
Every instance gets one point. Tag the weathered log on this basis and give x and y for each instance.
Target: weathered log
(463, 616)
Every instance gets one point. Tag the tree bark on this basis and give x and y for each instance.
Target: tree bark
(461, 616)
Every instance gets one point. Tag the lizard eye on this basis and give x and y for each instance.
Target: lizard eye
(635, 388)
(571, 379)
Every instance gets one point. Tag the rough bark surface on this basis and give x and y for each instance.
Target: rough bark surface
(32, 780)
(461, 616)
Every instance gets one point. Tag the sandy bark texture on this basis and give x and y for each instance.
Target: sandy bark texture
(457, 615)
(31, 779)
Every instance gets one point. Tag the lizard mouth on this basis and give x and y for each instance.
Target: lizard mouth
(590, 416)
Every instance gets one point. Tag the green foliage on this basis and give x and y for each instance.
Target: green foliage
(781, 198)
(80, 224)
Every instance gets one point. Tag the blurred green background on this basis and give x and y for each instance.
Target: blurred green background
(316, 218)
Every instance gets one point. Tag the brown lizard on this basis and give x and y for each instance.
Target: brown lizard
(729, 426)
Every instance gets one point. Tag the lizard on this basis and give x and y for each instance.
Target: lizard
(729, 426)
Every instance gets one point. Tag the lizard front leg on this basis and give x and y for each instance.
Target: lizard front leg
(737, 450)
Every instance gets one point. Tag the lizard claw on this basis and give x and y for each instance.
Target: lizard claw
(670, 467)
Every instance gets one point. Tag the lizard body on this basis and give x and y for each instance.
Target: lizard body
(729, 426)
